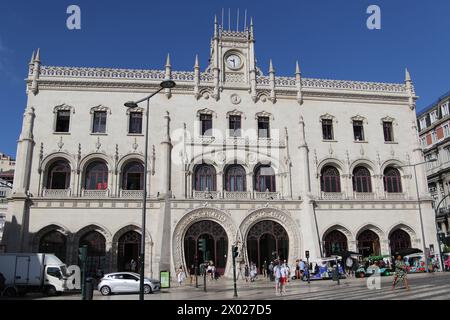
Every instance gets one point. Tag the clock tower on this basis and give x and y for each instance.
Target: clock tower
(232, 60)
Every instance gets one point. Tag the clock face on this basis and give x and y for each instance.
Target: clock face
(233, 61)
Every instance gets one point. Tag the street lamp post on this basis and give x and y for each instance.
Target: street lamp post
(420, 208)
(436, 210)
(132, 105)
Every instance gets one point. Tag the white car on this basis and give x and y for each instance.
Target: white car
(121, 282)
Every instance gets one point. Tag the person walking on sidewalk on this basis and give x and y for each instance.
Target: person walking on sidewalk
(181, 275)
(277, 276)
(400, 273)
(264, 269)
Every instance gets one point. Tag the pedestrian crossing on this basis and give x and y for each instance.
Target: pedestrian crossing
(418, 291)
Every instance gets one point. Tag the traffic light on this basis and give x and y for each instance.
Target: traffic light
(82, 254)
(202, 245)
(235, 252)
(307, 254)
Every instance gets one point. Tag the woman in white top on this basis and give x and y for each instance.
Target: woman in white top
(181, 275)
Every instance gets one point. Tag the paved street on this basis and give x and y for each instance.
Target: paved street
(423, 286)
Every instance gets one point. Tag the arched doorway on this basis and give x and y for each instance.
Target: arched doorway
(334, 242)
(129, 245)
(216, 244)
(399, 239)
(96, 251)
(53, 242)
(368, 243)
(266, 241)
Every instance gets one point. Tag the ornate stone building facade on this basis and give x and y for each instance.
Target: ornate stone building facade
(278, 165)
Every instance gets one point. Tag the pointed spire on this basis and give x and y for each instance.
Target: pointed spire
(407, 75)
(38, 55)
(32, 57)
(251, 28)
(196, 62)
(216, 27)
(168, 61)
(271, 70)
(297, 68)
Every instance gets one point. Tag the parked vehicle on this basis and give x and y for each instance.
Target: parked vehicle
(324, 269)
(415, 263)
(121, 282)
(33, 272)
(373, 265)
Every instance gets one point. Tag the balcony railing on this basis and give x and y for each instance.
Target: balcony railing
(237, 195)
(95, 193)
(332, 196)
(395, 196)
(206, 194)
(132, 194)
(364, 196)
(267, 195)
(56, 193)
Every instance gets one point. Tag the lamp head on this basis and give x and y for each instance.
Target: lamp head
(131, 104)
(168, 84)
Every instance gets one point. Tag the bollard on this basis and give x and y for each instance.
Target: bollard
(89, 289)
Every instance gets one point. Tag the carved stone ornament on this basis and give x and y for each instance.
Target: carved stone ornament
(100, 108)
(60, 143)
(235, 112)
(263, 114)
(358, 118)
(235, 99)
(64, 107)
(206, 111)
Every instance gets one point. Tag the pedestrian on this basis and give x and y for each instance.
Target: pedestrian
(268, 269)
(400, 273)
(191, 274)
(349, 265)
(277, 276)
(133, 265)
(264, 269)
(271, 266)
(241, 271)
(284, 274)
(246, 273)
(302, 267)
(181, 275)
(253, 272)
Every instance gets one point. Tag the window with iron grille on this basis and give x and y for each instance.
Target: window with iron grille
(206, 124)
(388, 132)
(62, 121)
(327, 129)
(99, 122)
(358, 130)
(263, 127)
(135, 125)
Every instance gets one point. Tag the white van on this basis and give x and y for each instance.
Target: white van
(32, 272)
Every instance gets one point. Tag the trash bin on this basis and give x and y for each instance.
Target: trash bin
(89, 289)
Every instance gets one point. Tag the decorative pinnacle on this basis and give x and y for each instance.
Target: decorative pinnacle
(407, 75)
(32, 58)
(38, 56)
(168, 61)
(297, 68)
(196, 66)
(271, 70)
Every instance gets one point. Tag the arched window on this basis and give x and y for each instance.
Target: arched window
(205, 178)
(392, 180)
(58, 175)
(53, 242)
(398, 240)
(133, 176)
(235, 178)
(330, 180)
(96, 251)
(265, 179)
(334, 243)
(96, 176)
(361, 180)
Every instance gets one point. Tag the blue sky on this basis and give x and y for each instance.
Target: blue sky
(328, 37)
